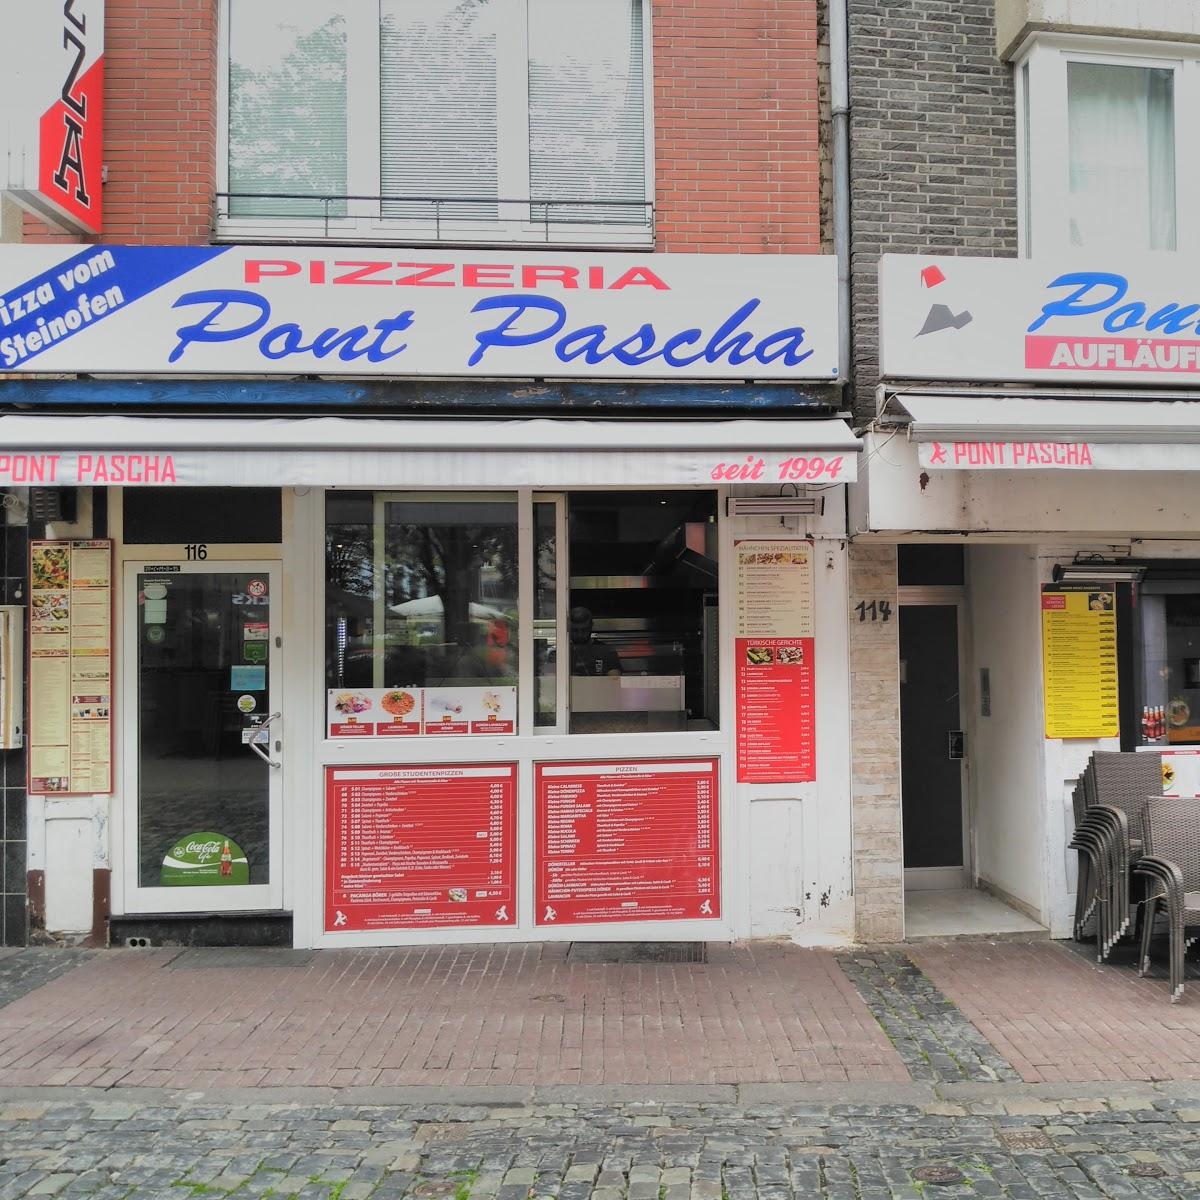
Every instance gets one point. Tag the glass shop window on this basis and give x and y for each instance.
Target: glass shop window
(420, 614)
(642, 611)
(1170, 622)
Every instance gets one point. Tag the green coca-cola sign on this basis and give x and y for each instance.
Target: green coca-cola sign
(204, 860)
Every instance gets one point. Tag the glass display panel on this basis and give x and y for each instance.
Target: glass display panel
(641, 622)
(1171, 668)
(203, 684)
(420, 615)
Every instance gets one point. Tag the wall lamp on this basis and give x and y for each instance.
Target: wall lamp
(1098, 569)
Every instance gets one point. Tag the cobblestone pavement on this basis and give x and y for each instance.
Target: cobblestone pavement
(934, 1040)
(756, 1144)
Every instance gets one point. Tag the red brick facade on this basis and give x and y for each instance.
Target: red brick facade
(160, 98)
(735, 116)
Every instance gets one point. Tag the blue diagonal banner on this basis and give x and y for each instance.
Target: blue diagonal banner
(74, 294)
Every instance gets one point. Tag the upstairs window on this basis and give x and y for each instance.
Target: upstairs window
(1103, 162)
(1121, 147)
(487, 121)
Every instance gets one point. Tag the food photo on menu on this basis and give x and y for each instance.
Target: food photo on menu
(398, 703)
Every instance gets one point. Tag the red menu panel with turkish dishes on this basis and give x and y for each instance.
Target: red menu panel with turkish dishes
(420, 847)
(627, 841)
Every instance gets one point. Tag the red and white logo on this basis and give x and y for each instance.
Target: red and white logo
(51, 143)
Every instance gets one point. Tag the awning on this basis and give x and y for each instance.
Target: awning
(1019, 433)
(352, 452)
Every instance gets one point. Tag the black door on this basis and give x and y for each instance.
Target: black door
(931, 781)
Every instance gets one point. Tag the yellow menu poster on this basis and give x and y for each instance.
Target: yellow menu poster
(1079, 664)
(70, 667)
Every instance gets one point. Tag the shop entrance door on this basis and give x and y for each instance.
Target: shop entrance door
(203, 749)
(932, 752)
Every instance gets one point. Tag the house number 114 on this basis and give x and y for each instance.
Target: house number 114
(874, 610)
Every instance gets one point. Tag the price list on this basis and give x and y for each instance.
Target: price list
(1079, 664)
(420, 847)
(627, 841)
(774, 647)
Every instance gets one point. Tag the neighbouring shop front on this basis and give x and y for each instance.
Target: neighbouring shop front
(1033, 474)
(301, 667)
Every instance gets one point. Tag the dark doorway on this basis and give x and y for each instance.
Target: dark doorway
(930, 722)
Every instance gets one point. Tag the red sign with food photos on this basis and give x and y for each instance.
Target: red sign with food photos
(627, 841)
(420, 847)
(776, 710)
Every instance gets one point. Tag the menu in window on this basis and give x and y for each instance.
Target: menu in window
(414, 711)
(627, 841)
(774, 643)
(70, 668)
(1079, 664)
(420, 847)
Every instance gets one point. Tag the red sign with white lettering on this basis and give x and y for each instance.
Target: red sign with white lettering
(420, 847)
(627, 841)
(776, 710)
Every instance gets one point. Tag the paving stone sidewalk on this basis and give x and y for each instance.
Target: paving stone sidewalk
(467, 1015)
(531, 1015)
(785, 1144)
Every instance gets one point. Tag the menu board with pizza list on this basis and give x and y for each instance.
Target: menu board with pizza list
(420, 847)
(1079, 663)
(70, 667)
(774, 645)
(627, 841)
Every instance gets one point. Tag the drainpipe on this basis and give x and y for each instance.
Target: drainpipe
(839, 95)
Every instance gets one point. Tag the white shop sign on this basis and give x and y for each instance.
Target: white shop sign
(1095, 318)
(341, 311)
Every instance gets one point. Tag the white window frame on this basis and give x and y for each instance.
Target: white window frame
(364, 223)
(1043, 159)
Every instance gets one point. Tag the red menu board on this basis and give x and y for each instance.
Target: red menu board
(420, 847)
(774, 648)
(776, 710)
(627, 841)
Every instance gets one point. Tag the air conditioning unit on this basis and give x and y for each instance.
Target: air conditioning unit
(776, 506)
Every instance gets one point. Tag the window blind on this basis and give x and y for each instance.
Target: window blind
(287, 106)
(1121, 124)
(438, 116)
(586, 109)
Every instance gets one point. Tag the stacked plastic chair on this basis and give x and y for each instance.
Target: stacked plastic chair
(1109, 801)
(1171, 864)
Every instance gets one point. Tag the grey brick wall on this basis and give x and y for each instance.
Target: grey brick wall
(932, 147)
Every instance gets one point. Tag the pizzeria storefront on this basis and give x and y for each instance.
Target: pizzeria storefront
(313, 671)
(1033, 470)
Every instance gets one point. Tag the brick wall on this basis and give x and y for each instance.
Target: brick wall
(736, 124)
(933, 147)
(160, 123)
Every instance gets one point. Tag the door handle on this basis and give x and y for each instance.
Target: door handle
(258, 750)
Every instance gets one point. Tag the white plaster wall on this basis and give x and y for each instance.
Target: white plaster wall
(800, 879)
(1177, 20)
(1004, 767)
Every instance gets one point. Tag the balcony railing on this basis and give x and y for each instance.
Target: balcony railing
(299, 216)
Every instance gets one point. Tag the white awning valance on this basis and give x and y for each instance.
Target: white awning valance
(1018, 433)
(352, 452)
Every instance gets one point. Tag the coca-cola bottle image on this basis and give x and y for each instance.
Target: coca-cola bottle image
(226, 859)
